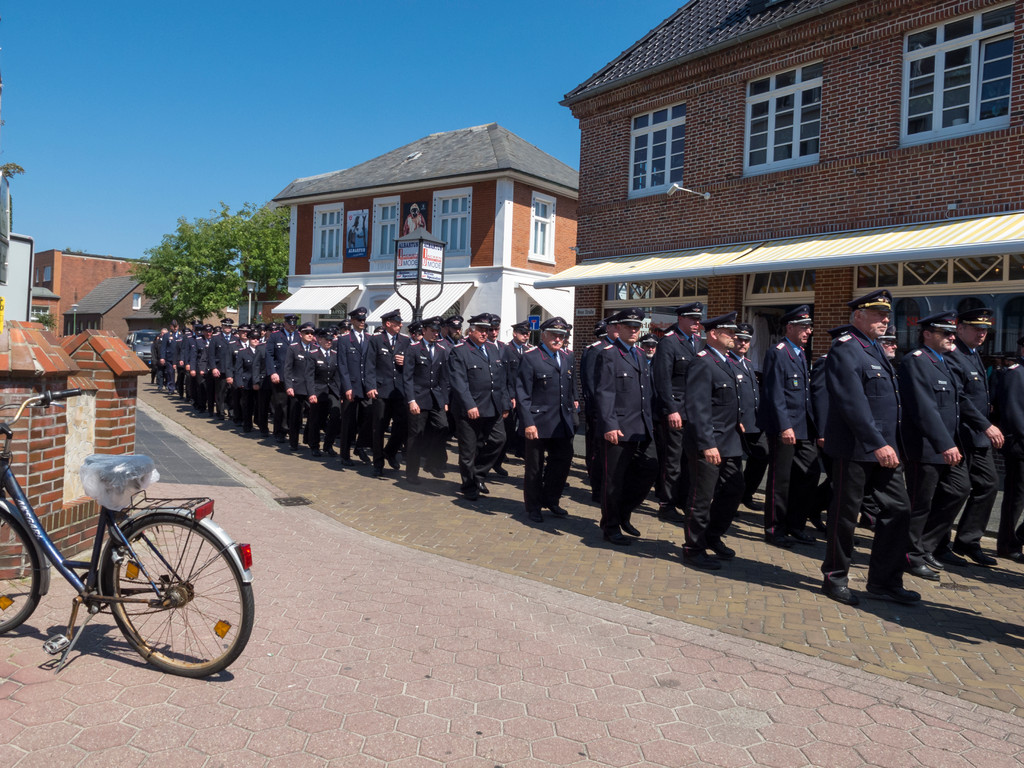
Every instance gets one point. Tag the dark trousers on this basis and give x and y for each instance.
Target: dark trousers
(279, 408)
(673, 483)
(594, 446)
(247, 399)
(296, 406)
(793, 473)
(513, 439)
(981, 471)
(851, 482)
(223, 393)
(324, 416)
(756, 446)
(356, 428)
(388, 411)
(182, 377)
(170, 378)
(1011, 534)
(936, 492)
(628, 475)
(714, 497)
(480, 443)
(547, 466)
(428, 431)
(262, 413)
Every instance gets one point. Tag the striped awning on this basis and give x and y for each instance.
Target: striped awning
(451, 293)
(319, 299)
(952, 238)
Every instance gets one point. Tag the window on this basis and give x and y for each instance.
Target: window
(327, 231)
(38, 312)
(385, 226)
(452, 210)
(542, 228)
(956, 77)
(136, 301)
(47, 274)
(658, 139)
(783, 120)
(966, 270)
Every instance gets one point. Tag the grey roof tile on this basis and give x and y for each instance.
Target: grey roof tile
(481, 149)
(697, 26)
(106, 295)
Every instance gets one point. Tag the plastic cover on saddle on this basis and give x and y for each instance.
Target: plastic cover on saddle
(113, 480)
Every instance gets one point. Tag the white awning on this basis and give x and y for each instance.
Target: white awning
(451, 293)
(319, 299)
(555, 301)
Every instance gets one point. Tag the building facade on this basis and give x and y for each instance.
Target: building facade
(505, 210)
(61, 279)
(761, 154)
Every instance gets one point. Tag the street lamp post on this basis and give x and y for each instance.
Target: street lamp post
(74, 319)
(251, 285)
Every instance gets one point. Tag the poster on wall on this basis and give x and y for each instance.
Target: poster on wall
(414, 216)
(355, 234)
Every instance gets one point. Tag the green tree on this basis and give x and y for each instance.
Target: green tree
(201, 267)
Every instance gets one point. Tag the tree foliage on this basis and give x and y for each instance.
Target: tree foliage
(10, 169)
(201, 267)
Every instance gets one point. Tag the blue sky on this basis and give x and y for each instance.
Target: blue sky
(127, 115)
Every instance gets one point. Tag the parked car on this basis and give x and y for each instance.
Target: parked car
(141, 343)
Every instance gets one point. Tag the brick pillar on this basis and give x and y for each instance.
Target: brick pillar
(588, 297)
(832, 289)
(725, 294)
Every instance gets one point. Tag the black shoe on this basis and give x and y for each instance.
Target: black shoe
(721, 551)
(895, 594)
(702, 560)
(378, 471)
(818, 523)
(482, 486)
(413, 480)
(1017, 557)
(754, 505)
(393, 462)
(840, 594)
(932, 563)
(363, 455)
(535, 515)
(316, 452)
(500, 471)
(630, 529)
(922, 572)
(280, 438)
(948, 558)
(975, 554)
(330, 452)
(617, 539)
(347, 462)
(264, 433)
(801, 537)
(780, 540)
(471, 494)
(436, 473)
(669, 514)
(557, 511)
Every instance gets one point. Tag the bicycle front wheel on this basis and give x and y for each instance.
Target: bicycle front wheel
(19, 574)
(200, 617)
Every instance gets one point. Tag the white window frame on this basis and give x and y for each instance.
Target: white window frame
(644, 137)
(384, 260)
(136, 301)
(47, 273)
(439, 219)
(547, 253)
(938, 50)
(318, 229)
(804, 84)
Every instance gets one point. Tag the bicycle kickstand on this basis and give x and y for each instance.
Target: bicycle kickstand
(64, 644)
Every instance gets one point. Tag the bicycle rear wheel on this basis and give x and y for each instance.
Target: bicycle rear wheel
(19, 574)
(203, 616)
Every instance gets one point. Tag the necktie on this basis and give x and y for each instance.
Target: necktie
(484, 350)
(430, 352)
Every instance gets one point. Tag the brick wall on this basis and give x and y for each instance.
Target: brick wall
(522, 225)
(832, 289)
(74, 275)
(725, 294)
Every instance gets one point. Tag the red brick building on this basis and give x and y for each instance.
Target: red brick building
(833, 147)
(506, 210)
(63, 278)
(118, 304)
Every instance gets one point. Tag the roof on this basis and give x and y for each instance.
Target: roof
(467, 151)
(697, 28)
(42, 292)
(117, 355)
(28, 348)
(105, 296)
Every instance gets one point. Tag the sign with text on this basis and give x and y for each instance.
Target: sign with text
(432, 264)
(407, 260)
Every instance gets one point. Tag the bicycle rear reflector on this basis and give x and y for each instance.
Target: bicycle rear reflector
(5, 602)
(245, 552)
(204, 510)
(131, 571)
(221, 628)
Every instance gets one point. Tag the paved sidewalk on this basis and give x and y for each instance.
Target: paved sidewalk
(965, 639)
(368, 653)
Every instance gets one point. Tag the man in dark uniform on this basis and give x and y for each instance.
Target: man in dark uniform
(785, 419)
(261, 405)
(298, 374)
(201, 366)
(188, 354)
(588, 383)
(415, 331)
(220, 366)
(480, 399)
(426, 387)
(274, 396)
(356, 427)
(168, 354)
(755, 446)
(247, 376)
(937, 479)
(329, 382)
(979, 437)
(546, 400)
(819, 412)
(451, 331)
(385, 356)
(625, 422)
(714, 446)
(1008, 399)
(861, 436)
(676, 350)
(511, 355)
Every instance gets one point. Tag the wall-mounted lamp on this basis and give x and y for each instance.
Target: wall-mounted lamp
(679, 188)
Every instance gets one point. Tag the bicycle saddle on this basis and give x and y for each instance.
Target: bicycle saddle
(113, 480)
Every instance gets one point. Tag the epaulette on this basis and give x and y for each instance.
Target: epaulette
(670, 333)
(461, 344)
(917, 352)
(1015, 365)
(781, 345)
(597, 343)
(609, 346)
(702, 353)
(844, 338)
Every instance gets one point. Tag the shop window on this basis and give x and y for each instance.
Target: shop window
(792, 281)
(905, 315)
(927, 272)
(1015, 266)
(980, 269)
(1012, 327)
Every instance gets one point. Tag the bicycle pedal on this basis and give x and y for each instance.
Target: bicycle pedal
(56, 644)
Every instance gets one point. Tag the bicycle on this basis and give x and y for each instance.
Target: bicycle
(179, 588)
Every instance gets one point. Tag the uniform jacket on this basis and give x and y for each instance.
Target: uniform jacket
(819, 393)
(220, 353)
(382, 373)
(749, 391)
(930, 395)
(975, 405)
(425, 379)
(326, 373)
(1008, 398)
(786, 398)
(352, 356)
(623, 393)
(200, 360)
(188, 351)
(168, 347)
(546, 393)
(588, 370)
(478, 381)
(247, 368)
(298, 369)
(277, 349)
(863, 399)
(674, 354)
(511, 356)
(713, 411)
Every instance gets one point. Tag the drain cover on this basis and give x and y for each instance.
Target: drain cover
(292, 501)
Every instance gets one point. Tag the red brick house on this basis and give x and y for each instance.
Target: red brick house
(506, 210)
(63, 278)
(833, 147)
(118, 304)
